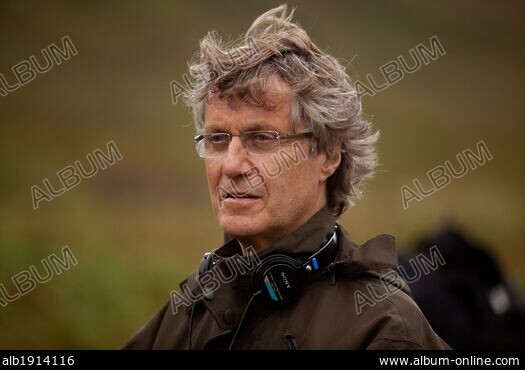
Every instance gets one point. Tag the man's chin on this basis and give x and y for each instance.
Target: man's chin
(240, 226)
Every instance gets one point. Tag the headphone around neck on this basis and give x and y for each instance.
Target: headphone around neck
(278, 278)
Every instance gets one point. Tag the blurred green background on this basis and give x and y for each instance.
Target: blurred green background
(138, 227)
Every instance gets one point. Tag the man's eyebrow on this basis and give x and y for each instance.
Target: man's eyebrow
(252, 126)
(212, 127)
(257, 126)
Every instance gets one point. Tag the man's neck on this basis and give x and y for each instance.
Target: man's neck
(259, 243)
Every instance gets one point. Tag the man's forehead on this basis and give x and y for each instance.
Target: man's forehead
(221, 115)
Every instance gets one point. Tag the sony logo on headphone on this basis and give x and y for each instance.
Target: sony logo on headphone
(285, 280)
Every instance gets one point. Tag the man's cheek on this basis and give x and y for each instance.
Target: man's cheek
(277, 189)
(214, 195)
(215, 201)
(254, 178)
(271, 167)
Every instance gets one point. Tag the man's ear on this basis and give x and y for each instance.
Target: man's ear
(330, 164)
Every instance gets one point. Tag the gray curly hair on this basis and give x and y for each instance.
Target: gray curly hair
(323, 96)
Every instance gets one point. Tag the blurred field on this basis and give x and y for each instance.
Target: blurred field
(138, 227)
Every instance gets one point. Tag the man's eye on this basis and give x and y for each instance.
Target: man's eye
(263, 138)
(218, 139)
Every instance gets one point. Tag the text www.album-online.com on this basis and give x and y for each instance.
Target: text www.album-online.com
(470, 360)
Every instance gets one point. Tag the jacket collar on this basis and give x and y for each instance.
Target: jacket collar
(376, 257)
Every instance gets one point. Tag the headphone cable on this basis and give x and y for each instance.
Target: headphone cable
(242, 318)
(190, 326)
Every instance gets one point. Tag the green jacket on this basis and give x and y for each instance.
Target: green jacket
(360, 303)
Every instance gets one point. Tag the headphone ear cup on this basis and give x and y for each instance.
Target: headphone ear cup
(278, 278)
(205, 263)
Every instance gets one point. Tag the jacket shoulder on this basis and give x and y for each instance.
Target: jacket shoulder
(144, 338)
(392, 317)
(168, 327)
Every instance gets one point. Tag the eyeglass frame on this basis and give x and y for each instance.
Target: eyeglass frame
(198, 138)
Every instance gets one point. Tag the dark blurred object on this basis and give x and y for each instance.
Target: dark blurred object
(468, 301)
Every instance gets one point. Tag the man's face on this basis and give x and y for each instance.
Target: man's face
(278, 194)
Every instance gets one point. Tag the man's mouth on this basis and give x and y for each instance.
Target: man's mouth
(240, 196)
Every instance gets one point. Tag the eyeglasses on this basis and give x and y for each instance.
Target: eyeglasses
(255, 142)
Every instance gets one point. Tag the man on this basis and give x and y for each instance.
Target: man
(285, 146)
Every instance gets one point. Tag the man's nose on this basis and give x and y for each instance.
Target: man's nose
(235, 161)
